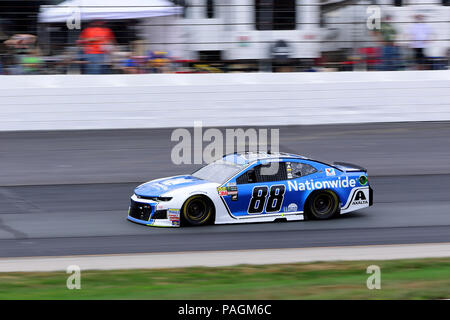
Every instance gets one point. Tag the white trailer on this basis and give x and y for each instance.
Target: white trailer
(243, 30)
(240, 29)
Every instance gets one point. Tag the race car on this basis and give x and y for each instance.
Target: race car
(253, 187)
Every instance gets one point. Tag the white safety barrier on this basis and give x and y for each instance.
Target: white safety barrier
(69, 102)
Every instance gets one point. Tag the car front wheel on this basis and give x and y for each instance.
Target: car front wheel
(198, 210)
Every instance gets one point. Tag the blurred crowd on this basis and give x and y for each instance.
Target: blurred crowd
(97, 52)
(389, 55)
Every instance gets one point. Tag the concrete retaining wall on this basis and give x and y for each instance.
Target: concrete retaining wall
(60, 102)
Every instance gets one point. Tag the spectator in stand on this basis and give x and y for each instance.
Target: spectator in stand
(158, 61)
(19, 46)
(130, 64)
(370, 57)
(98, 41)
(389, 51)
(419, 34)
(32, 62)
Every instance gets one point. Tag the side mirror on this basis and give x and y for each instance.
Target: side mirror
(251, 176)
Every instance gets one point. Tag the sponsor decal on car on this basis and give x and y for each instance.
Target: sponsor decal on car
(292, 207)
(360, 198)
(289, 170)
(317, 185)
(230, 190)
(174, 216)
(330, 172)
(222, 191)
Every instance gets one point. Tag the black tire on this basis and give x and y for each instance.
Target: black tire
(322, 205)
(198, 210)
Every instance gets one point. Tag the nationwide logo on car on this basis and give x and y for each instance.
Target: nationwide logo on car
(316, 185)
(360, 198)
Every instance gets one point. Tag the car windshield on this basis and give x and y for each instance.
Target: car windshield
(219, 171)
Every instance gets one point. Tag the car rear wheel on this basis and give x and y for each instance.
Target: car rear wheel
(323, 205)
(198, 210)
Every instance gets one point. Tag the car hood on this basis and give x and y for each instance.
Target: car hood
(159, 187)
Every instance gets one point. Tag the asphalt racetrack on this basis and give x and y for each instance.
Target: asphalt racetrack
(67, 193)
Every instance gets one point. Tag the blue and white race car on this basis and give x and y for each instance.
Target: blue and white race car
(252, 187)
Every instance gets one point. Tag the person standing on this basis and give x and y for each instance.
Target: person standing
(420, 33)
(97, 41)
(389, 56)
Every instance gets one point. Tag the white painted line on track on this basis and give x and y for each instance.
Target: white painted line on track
(225, 258)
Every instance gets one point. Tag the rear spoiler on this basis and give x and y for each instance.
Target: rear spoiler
(348, 167)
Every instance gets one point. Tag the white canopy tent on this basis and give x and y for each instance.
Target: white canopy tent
(107, 10)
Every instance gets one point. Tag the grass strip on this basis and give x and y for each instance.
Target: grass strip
(400, 279)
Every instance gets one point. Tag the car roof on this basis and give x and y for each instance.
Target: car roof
(249, 157)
